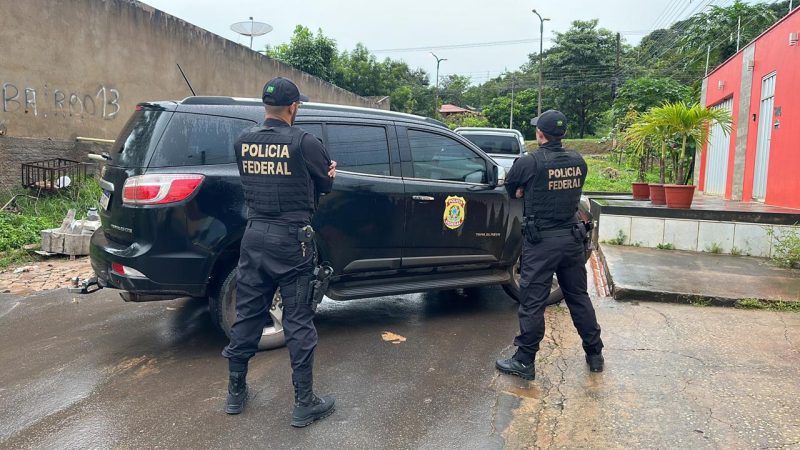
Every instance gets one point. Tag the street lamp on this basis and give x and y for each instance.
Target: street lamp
(541, 47)
(436, 94)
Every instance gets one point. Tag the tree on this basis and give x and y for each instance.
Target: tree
(641, 94)
(498, 111)
(718, 28)
(315, 55)
(581, 66)
(452, 90)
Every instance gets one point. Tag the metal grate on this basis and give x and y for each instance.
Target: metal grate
(50, 173)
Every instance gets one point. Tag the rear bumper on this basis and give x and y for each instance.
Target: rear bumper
(166, 275)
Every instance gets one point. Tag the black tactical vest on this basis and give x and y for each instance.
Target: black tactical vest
(274, 175)
(555, 191)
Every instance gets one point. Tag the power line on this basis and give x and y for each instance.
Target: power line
(486, 44)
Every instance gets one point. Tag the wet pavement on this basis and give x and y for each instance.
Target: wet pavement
(639, 273)
(98, 372)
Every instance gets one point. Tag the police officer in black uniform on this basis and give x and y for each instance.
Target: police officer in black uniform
(551, 181)
(283, 170)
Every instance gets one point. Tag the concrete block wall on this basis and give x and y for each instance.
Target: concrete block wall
(693, 235)
(16, 151)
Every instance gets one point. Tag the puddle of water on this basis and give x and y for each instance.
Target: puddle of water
(531, 392)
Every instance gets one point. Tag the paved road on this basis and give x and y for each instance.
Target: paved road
(102, 373)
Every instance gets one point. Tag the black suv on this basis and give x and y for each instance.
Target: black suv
(415, 207)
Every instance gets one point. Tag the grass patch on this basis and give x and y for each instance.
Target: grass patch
(666, 246)
(714, 247)
(700, 301)
(786, 246)
(606, 174)
(753, 303)
(30, 215)
(589, 146)
(619, 240)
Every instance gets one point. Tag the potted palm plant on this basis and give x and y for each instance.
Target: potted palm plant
(644, 134)
(690, 124)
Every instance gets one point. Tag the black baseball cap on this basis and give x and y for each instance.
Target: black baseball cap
(552, 123)
(281, 92)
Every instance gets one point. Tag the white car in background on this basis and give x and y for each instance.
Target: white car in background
(502, 144)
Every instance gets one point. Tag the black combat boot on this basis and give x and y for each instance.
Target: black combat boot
(595, 362)
(237, 393)
(512, 366)
(308, 407)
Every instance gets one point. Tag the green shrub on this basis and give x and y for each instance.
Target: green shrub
(666, 246)
(786, 248)
(619, 240)
(31, 214)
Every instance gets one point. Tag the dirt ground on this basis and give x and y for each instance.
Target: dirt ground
(43, 275)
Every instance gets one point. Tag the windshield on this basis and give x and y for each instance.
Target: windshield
(507, 145)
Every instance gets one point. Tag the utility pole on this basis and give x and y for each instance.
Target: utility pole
(708, 58)
(541, 49)
(436, 94)
(511, 117)
(615, 84)
(738, 33)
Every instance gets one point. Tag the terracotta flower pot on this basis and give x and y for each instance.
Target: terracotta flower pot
(679, 196)
(657, 194)
(641, 191)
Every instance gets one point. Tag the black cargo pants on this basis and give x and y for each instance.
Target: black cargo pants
(565, 256)
(271, 257)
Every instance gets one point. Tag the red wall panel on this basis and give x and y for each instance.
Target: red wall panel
(774, 54)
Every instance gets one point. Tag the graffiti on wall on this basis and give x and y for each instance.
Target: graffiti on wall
(47, 102)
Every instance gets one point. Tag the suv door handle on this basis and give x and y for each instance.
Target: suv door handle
(423, 198)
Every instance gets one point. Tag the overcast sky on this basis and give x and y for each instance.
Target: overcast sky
(383, 25)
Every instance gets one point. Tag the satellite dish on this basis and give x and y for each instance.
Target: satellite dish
(251, 29)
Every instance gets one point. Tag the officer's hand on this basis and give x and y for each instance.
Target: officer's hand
(332, 169)
(520, 192)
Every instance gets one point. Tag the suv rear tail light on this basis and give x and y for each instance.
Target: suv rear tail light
(126, 271)
(159, 189)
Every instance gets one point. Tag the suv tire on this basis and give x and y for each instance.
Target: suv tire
(514, 291)
(222, 304)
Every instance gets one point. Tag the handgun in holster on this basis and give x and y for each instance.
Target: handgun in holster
(530, 229)
(319, 284)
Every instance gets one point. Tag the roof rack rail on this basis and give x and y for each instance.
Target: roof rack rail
(232, 101)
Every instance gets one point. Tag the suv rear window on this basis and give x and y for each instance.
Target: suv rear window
(139, 137)
(507, 145)
(196, 139)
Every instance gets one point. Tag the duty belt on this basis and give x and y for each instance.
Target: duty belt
(557, 232)
(276, 228)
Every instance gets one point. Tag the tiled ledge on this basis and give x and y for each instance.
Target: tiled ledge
(726, 237)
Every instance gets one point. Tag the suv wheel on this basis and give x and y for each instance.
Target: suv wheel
(513, 289)
(223, 311)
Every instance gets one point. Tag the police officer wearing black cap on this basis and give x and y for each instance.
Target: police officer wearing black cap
(283, 171)
(550, 180)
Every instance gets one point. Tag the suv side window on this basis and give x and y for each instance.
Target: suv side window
(312, 128)
(438, 157)
(196, 139)
(359, 148)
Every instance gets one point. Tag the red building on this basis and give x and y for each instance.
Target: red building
(760, 159)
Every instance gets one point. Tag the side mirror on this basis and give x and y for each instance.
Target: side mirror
(499, 175)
